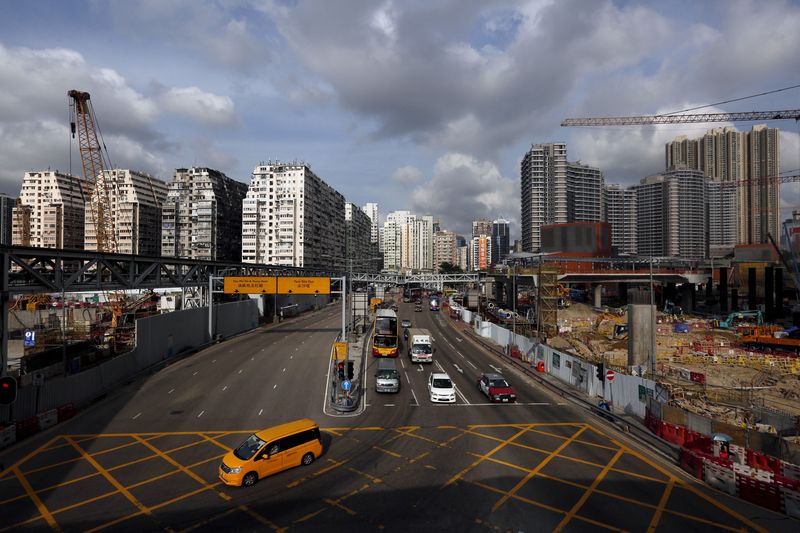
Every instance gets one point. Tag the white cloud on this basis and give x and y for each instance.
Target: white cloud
(464, 188)
(199, 105)
(407, 175)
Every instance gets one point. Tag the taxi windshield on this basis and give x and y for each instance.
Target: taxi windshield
(248, 448)
(500, 383)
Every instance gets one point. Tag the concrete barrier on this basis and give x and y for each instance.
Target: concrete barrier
(8, 436)
(47, 419)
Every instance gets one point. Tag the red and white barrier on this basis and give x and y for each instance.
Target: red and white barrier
(47, 419)
(791, 502)
(719, 476)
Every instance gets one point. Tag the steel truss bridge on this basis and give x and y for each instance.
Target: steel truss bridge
(427, 280)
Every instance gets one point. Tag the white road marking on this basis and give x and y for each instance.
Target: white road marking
(137, 416)
(461, 354)
(459, 370)
(498, 370)
(470, 364)
(195, 372)
(458, 339)
(275, 386)
(284, 370)
(260, 411)
(171, 391)
(252, 358)
(240, 371)
(291, 357)
(402, 364)
(562, 403)
(388, 405)
(463, 398)
(201, 414)
(415, 397)
(224, 388)
(406, 373)
(420, 369)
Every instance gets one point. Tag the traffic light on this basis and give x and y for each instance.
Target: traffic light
(350, 369)
(601, 372)
(8, 390)
(340, 367)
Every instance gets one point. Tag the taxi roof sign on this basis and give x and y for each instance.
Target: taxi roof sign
(305, 285)
(249, 285)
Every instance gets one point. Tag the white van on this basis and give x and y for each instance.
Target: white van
(420, 345)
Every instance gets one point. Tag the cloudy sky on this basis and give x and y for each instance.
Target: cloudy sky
(414, 104)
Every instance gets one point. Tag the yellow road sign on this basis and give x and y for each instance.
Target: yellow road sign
(289, 285)
(339, 351)
(249, 285)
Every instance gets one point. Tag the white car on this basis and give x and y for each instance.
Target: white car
(441, 388)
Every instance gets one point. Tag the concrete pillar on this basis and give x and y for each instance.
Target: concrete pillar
(769, 294)
(752, 303)
(723, 290)
(598, 295)
(641, 328)
(779, 293)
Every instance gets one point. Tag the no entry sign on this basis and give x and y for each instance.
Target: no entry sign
(610, 375)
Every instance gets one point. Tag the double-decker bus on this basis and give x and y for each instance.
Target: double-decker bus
(384, 339)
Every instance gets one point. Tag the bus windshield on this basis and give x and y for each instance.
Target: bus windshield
(381, 341)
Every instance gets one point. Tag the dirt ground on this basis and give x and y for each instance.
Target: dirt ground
(588, 333)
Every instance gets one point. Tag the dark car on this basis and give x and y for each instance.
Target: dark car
(417, 308)
(405, 323)
(405, 334)
(496, 388)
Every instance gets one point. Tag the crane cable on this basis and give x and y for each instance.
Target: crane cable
(733, 100)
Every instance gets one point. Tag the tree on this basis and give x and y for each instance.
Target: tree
(449, 268)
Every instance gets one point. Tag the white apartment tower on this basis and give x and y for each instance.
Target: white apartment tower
(201, 218)
(291, 217)
(480, 252)
(136, 200)
(671, 217)
(721, 207)
(371, 209)
(397, 252)
(444, 248)
(543, 183)
(423, 244)
(620, 210)
(584, 193)
(51, 210)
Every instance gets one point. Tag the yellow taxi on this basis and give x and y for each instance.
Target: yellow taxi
(270, 451)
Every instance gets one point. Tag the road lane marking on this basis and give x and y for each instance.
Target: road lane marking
(171, 391)
(137, 416)
(201, 414)
(498, 370)
(544, 463)
(457, 368)
(213, 361)
(388, 405)
(36, 500)
(240, 371)
(252, 358)
(463, 398)
(420, 369)
(408, 380)
(458, 339)
(402, 364)
(195, 372)
(284, 370)
(470, 364)
(291, 357)
(488, 454)
(275, 386)
(459, 353)
(224, 388)
(416, 402)
(588, 492)
(661, 504)
(260, 411)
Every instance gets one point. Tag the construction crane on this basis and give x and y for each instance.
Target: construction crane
(684, 118)
(84, 121)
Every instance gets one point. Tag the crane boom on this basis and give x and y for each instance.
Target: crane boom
(83, 120)
(684, 118)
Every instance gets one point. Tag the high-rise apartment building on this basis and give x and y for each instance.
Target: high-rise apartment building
(51, 210)
(722, 223)
(620, 210)
(463, 258)
(201, 218)
(584, 193)
(135, 210)
(371, 209)
(728, 155)
(6, 218)
(397, 251)
(501, 236)
(423, 244)
(543, 183)
(444, 249)
(671, 217)
(358, 236)
(291, 217)
(480, 252)
(481, 226)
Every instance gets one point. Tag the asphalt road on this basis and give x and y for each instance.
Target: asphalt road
(146, 458)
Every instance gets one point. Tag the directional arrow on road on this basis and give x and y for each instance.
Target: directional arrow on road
(420, 369)
(498, 370)
(458, 339)
(459, 370)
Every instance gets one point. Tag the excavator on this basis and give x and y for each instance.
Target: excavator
(738, 318)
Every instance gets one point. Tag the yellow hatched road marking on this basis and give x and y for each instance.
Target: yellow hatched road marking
(690, 487)
(207, 521)
(111, 479)
(533, 472)
(389, 452)
(588, 492)
(372, 478)
(484, 456)
(40, 506)
(661, 504)
(318, 473)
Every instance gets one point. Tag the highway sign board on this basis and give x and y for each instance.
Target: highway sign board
(610, 375)
(295, 285)
(249, 285)
(30, 339)
(346, 385)
(339, 351)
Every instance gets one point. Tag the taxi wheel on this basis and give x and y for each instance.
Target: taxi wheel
(249, 479)
(307, 459)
